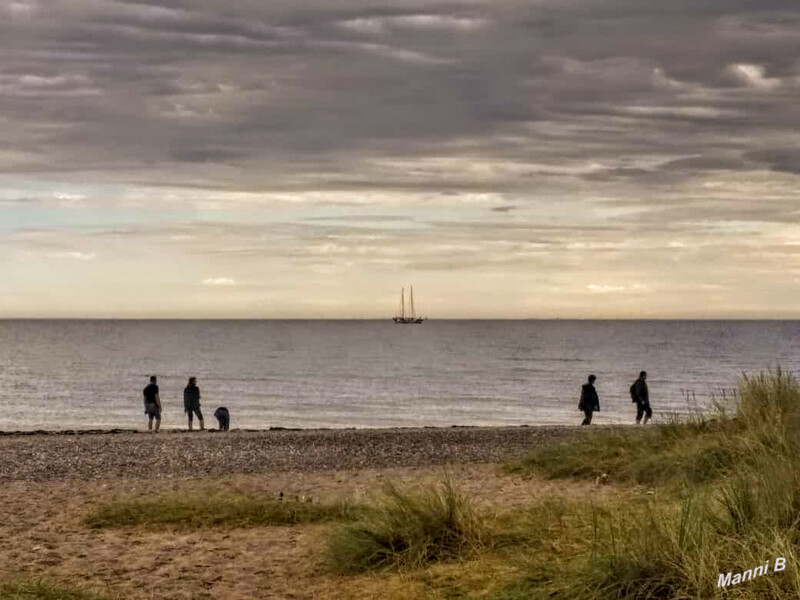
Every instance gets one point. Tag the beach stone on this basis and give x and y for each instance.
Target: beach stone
(44, 456)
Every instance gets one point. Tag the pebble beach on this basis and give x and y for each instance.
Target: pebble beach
(116, 454)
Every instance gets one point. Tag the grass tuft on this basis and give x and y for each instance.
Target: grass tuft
(201, 511)
(42, 590)
(409, 527)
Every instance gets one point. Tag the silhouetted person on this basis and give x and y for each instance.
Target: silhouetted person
(224, 417)
(152, 404)
(641, 397)
(191, 402)
(590, 401)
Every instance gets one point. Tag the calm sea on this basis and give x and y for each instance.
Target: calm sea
(90, 374)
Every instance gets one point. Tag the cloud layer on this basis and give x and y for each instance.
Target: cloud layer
(573, 158)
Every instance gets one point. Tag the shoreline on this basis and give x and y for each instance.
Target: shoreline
(124, 454)
(175, 430)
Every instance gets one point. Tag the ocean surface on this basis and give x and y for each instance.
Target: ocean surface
(90, 374)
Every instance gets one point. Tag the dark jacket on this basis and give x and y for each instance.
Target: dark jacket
(590, 401)
(191, 398)
(150, 394)
(639, 392)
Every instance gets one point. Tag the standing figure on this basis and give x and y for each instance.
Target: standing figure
(152, 404)
(590, 401)
(191, 402)
(641, 397)
(224, 417)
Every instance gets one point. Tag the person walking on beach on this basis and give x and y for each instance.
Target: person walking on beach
(191, 402)
(152, 404)
(641, 397)
(590, 401)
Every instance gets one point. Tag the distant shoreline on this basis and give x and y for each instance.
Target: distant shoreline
(389, 319)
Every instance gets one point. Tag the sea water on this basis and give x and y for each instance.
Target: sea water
(75, 374)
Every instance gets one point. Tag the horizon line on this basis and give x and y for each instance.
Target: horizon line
(388, 319)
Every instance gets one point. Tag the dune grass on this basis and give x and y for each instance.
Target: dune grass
(42, 590)
(674, 550)
(409, 527)
(698, 450)
(734, 512)
(198, 511)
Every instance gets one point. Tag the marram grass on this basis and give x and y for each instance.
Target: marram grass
(198, 511)
(697, 451)
(40, 589)
(409, 527)
(743, 512)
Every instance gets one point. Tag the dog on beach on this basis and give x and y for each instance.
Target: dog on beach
(223, 417)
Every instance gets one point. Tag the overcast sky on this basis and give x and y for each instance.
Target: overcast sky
(293, 158)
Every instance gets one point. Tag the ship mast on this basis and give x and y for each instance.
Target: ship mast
(412, 316)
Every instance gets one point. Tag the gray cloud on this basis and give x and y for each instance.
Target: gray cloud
(786, 160)
(151, 86)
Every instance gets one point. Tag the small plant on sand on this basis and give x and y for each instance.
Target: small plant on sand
(200, 511)
(409, 527)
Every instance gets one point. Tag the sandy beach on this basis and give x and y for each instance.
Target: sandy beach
(51, 481)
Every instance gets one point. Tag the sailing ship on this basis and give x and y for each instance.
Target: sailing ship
(410, 318)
